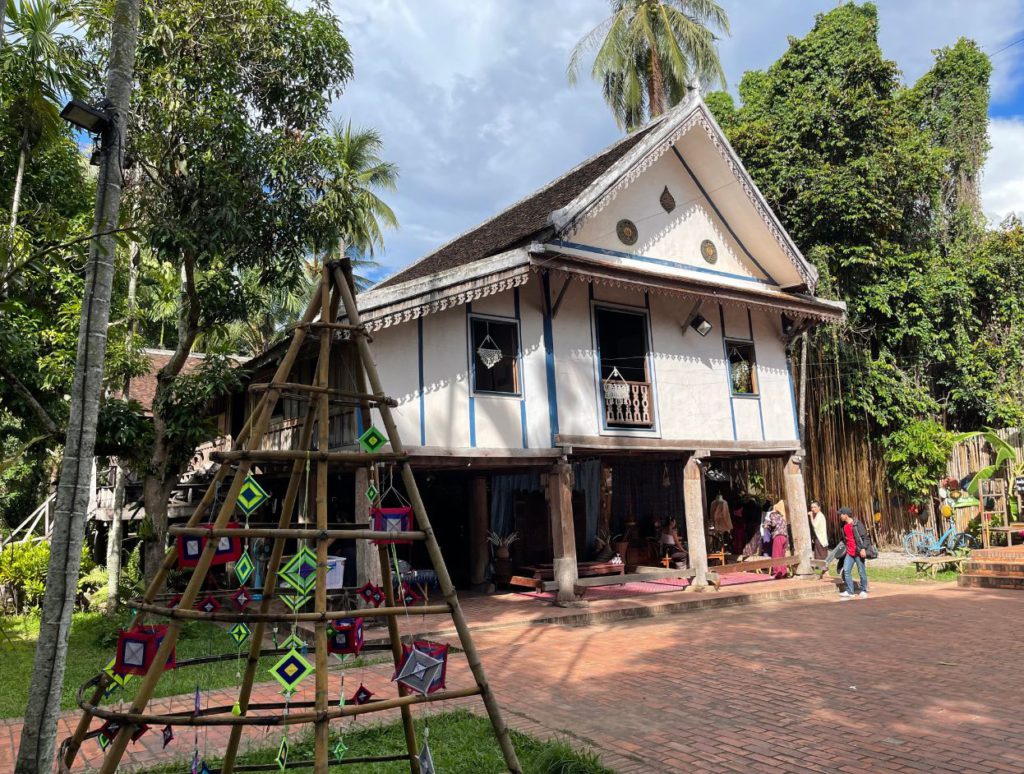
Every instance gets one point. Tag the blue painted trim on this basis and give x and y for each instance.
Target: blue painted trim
(472, 360)
(728, 376)
(549, 359)
(423, 399)
(656, 261)
(471, 371)
(522, 370)
(720, 215)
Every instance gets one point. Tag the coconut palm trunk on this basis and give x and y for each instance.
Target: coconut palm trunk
(38, 736)
(19, 178)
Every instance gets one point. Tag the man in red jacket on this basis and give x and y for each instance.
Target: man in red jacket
(856, 538)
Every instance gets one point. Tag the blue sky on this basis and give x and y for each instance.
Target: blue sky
(471, 99)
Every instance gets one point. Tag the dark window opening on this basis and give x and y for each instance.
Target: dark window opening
(495, 353)
(742, 367)
(625, 383)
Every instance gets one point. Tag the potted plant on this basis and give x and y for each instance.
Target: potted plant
(502, 561)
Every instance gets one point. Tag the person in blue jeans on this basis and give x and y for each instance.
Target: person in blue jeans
(855, 536)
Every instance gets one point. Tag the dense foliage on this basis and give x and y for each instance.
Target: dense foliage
(878, 184)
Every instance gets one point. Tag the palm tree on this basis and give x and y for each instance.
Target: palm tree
(649, 52)
(353, 215)
(42, 62)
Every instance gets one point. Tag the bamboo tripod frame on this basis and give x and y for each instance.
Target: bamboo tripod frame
(336, 288)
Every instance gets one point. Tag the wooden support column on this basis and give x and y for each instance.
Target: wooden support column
(796, 511)
(693, 502)
(563, 534)
(368, 568)
(479, 521)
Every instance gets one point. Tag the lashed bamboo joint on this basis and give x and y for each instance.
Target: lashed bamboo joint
(336, 288)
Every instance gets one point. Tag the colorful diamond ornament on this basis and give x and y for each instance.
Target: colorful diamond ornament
(239, 633)
(244, 568)
(251, 496)
(373, 440)
(423, 667)
(300, 571)
(346, 636)
(241, 598)
(291, 670)
(372, 493)
(282, 755)
(371, 594)
(190, 548)
(392, 520)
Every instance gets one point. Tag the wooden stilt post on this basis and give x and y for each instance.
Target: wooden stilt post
(796, 511)
(693, 502)
(479, 520)
(343, 279)
(563, 533)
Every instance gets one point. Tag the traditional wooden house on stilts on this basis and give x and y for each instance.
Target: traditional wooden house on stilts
(577, 364)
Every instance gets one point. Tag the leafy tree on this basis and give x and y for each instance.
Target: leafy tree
(649, 51)
(877, 182)
(229, 114)
(43, 62)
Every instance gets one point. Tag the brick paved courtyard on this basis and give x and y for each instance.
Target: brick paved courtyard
(909, 680)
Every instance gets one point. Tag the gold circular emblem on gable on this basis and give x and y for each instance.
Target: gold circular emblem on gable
(709, 251)
(626, 231)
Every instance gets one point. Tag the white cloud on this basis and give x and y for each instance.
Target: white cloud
(472, 102)
(1002, 188)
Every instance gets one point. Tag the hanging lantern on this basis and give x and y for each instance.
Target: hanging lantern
(190, 548)
(489, 352)
(347, 637)
(392, 520)
(137, 647)
(616, 389)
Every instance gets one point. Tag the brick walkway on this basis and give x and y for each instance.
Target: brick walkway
(905, 681)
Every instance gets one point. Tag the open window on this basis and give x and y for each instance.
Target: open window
(742, 367)
(623, 350)
(495, 355)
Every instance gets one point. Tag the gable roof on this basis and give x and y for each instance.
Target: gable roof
(514, 226)
(564, 204)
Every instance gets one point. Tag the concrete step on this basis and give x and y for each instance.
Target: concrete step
(1013, 569)
(971, 580)
(1015, 554)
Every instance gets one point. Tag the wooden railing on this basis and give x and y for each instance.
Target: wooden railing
(634, 410)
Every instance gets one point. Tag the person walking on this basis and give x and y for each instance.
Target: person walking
(857, 542)
(819, 531)
(779, 529)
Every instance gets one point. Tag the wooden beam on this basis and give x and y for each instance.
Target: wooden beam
(712, 448)
(693, 501)
(796, 513)
(558, 299)
(563, 533)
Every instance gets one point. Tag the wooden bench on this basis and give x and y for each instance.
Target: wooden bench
(583, 569)
(933, 564)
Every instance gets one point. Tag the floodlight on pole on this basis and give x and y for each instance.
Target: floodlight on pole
(699, 324)
(91, 118)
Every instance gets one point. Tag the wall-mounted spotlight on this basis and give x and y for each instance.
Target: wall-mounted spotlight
(699, 324)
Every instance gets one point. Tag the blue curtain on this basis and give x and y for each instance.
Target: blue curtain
(587, 477)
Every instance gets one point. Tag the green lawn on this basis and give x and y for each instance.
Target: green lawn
(461, 743)
(91, 647)
(904, 575)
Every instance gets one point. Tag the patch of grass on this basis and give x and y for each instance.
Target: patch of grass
(905, 575)
(461, 743)
(90, 648)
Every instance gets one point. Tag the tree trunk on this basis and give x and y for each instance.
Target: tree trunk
(38, 734)
(655, 88)
(115, 535)
(19, 177)
(156, 491)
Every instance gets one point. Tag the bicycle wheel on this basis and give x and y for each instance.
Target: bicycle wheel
(963, 540)
(918, 543)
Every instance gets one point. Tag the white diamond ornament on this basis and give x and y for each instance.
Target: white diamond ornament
(419, 671)
(426, 760)
(491, 355)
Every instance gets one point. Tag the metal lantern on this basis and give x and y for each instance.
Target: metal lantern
(489, 352)
(616, 390)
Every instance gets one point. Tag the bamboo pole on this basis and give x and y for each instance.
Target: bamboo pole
(70, 750)
(291, 719)
(343, 281)
(145, 692)
(290, 455)
(276, 555)
(299, 534)
(396, 654)
(182, 614)
(322, 730)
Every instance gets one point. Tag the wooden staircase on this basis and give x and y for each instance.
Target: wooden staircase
(994, 568)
